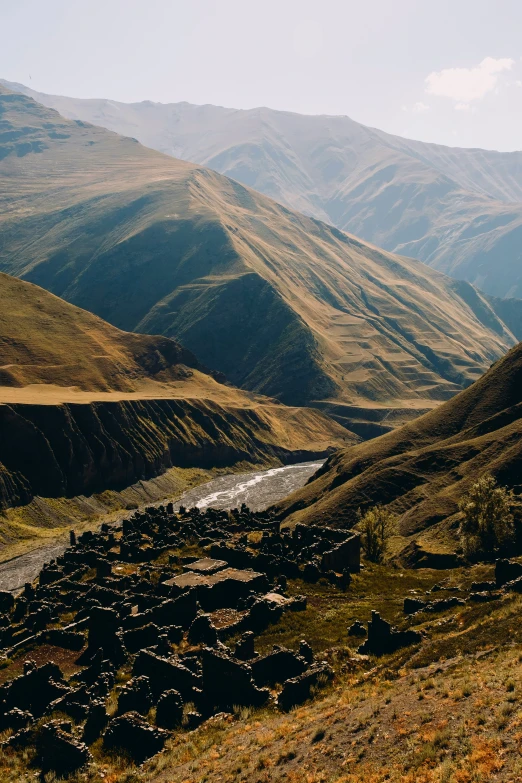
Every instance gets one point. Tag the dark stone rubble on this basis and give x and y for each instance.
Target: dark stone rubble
(122, 599)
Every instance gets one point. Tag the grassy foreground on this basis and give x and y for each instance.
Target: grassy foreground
(446, 711)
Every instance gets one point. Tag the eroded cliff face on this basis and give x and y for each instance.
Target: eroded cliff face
(78, 449)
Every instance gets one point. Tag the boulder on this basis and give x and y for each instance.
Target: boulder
(169, 710)
(228, 682)
(279, 665)
(383, 638)
(132, 734)
(59, 751)
(166, 674)
(135, 696)
(298, 689)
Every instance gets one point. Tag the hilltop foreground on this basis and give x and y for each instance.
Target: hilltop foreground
(282, 304)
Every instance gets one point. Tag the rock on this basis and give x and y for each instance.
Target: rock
(383, 638)
(69, 640)
(506, 571)
(202, 631)
(484, 597)
(277, 666)
(139, 638)
(357, 629)
(133, 735)
(345, 555)
(135, 696)
(97, 719)
(306, 652)
(443, 603)
(15, 719)
(298, 689)
(311, 573)
(245, 647)
(7, 601)
(35, 689)
(514, 586)
(227, 682)
(480, 587)
(169, 710)
(60, 752)
(166, 674)
(412, 605)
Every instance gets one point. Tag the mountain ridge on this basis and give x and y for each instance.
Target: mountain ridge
(159, 245)
(457, 209)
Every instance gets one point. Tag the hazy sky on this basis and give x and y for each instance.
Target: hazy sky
(438, 70)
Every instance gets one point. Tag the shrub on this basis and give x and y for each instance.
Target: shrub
(376, 527)
(487, 523)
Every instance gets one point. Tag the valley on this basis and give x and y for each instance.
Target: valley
(260, 496)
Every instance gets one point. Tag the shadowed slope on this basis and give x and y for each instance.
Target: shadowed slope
(459, 210)
(283, 304)
(422, 469)
(85, 407)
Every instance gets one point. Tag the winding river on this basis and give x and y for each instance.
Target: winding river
(258, 489)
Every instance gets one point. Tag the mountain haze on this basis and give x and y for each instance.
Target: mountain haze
(281, 303)
(458, 210)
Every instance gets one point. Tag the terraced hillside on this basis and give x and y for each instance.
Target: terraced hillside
(459, 210)
(85, 407)
(422, 469)
(282, 304)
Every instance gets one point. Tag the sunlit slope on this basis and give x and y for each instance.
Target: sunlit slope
(459, 210)
(85, 407)
(45, 340)
(281, 303)
(422, 469)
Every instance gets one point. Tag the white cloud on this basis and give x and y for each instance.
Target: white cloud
(465, 85)
(417, 108)
(462, 107)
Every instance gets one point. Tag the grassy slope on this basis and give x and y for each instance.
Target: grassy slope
(85, 407)
(285, 305)
(44, 340)
(456, 209)
(445, 711)
(422, 469)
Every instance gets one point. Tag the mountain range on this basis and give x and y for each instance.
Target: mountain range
(458, 210)
(283, 304)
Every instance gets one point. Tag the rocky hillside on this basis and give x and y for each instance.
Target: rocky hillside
(422, 469)
(85, 407)
(459, 210)
(282, 304)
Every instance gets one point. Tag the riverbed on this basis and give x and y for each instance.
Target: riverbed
(258, 489)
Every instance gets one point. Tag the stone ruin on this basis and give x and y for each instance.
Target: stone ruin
(166, 624)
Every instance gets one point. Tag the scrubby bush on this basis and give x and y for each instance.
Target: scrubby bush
(376, 526)
(487, 525)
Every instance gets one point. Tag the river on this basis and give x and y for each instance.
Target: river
(258, 489)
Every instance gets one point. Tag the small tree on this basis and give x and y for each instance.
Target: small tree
(487, 523)
(376, 526)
